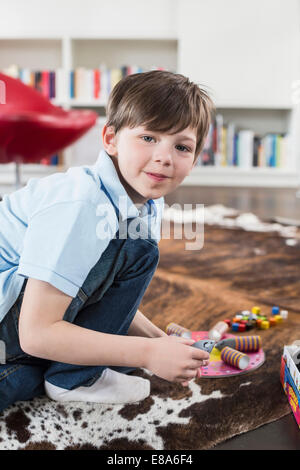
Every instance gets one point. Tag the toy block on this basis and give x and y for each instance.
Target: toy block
(284, 314)
(246, 313)
(278, 318)
(272, 321)
(255, 310)
(275, 310)
(235, 326)
(265, 325)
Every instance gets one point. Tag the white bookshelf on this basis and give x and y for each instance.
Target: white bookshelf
(168, 35)
(237, 177)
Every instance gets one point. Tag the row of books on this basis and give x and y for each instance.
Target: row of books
(81, 83)
(226, 145)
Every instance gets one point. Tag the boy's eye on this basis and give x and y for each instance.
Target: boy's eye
(147, 137)
(182, 146)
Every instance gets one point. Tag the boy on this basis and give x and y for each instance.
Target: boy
(74, 267)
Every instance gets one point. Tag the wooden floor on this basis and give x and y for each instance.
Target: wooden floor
(265, 203)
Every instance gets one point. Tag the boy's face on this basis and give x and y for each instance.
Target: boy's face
(138, 154)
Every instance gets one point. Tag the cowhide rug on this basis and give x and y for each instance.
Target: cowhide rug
(250, 263)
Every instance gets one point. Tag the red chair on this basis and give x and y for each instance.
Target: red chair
(31, 128)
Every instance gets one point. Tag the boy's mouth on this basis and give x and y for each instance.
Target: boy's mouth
(157, 176)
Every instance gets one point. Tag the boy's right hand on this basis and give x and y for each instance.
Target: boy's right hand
(172, 358)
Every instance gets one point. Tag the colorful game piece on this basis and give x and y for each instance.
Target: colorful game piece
(278, 318)
(242, 327)
(265, 324)
(255, 310)
(228, 321)
(249, 325)
(284, 314)
(275, 310)
(272, 321)
(235, 326)
(218, 331)
(246, 313)
(235, 358)
(241, 343)
(177, 330)
(204, 344)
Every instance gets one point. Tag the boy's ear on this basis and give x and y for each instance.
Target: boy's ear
(109, 140)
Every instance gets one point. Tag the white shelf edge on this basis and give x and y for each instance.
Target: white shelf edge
(138, 37)
(239, 177)
(254, 107)
(27, 171)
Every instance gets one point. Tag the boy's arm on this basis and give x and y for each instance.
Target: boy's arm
(44, 333)
(141, 326)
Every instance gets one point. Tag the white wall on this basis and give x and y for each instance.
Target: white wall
(135, 18)
(246, 51)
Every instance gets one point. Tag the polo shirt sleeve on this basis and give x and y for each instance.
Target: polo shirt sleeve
(62, 245)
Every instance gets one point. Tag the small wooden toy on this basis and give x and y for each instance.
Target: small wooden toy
(218, 331)
(235, 358)
(284, 314)
(265, 324)
(177, 330)
(204, 344)
(275, 310)
(278, 318)
(241, 343)
(255, 310)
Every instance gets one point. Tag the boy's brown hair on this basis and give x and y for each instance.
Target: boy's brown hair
(161, 101)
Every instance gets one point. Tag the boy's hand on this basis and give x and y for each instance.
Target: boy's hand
(172, 358)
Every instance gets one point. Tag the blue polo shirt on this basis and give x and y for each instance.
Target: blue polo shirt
(56, 228)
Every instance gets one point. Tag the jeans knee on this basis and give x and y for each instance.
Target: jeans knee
(20, 383)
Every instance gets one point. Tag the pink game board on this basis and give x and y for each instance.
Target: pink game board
(218, 368)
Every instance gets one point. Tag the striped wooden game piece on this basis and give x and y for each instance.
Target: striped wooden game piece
(235, 358)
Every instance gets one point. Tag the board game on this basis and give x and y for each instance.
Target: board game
(217, 368)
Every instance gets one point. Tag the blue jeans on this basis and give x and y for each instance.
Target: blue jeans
(107, 302)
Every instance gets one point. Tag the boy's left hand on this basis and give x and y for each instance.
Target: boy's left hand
(205, 363)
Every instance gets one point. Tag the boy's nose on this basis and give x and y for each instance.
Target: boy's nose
(164, 157)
